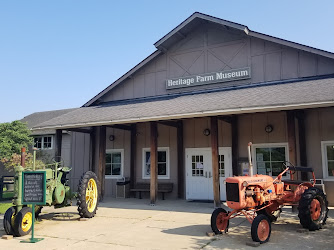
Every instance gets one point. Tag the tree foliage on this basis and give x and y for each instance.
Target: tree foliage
(13, 136)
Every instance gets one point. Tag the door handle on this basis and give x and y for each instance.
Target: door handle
(206, 174)
(209, 174)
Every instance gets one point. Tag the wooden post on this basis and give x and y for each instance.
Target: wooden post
(59, 134)
(292, 141)
(215, 162)
(180, 157)
(92, 138)
(102, 160)
(154, 162)
(302, 142)
(235, 151)
(133, 141)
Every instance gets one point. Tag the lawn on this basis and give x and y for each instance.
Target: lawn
(4, 207)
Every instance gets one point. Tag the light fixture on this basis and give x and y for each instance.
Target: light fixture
(111, 138)
(269, 128)
(206, 132)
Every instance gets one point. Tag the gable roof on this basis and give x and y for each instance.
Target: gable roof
(274, 96)
(179, 33)
(39, 117)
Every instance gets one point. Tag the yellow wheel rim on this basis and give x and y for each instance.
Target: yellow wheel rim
(26, 222)
(91, 195)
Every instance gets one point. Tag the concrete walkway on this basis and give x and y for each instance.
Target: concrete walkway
(176, 224)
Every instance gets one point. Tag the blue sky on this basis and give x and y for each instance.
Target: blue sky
(60, 54)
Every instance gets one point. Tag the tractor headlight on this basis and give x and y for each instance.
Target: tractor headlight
(245, 183)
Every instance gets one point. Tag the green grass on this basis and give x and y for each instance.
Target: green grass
(4, 207)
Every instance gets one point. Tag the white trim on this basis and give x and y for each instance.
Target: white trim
(42, 143)
(110, 151)
(324, 161)
(167, 176)
(269, 145)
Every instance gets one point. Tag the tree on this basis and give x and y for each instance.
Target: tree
(13, 136)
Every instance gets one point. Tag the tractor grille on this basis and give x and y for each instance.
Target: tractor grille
(232, 192)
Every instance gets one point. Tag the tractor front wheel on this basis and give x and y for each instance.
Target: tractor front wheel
(313, 209)
(261, 229)
(219, 221)
(8, 221)
(87, 197)
(23, 222)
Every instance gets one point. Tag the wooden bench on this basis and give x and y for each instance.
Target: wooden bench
(145, 187)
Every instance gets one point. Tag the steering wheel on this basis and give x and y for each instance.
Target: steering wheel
(289, 165)
(58, 159)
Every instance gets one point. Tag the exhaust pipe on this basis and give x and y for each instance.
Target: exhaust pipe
(250, 159)
(23, 157)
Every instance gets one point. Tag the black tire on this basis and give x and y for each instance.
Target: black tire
(87, 208)
(23, 222)
(311, 218)
(218, 223)
(261, 229)
(272, 216)
(8, 221)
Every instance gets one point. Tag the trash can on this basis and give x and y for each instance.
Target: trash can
(123, 188)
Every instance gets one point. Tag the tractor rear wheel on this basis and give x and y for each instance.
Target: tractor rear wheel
(8, 221)
(261, 229)
(23, 222)
(219, 221)
(313, 209)
(87, 197)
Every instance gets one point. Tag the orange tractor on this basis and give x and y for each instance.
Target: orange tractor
(260, 199)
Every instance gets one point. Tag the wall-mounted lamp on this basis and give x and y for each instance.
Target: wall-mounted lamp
(269, 128)
(111, 138)
(206, 132)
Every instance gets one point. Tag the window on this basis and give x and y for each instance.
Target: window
(327, 148)
(221, 166)
(43, 142)
(268, 159)
(114, 163)
(163, 163)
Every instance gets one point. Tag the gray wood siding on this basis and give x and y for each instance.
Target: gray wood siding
(211, 48)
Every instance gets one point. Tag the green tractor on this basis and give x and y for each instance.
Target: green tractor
(18, 218)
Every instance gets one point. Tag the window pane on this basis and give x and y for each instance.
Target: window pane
(331, 168)
(116, 169)
(108, 169)
(262, 154)
(148, 157)
(38, 142)
(161, 156)
(116, 157)
(278, 154)
(108, 158)
(277, 168)
(330, 152)
(162, 169)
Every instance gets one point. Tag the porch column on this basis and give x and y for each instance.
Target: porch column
(235, 152)
(215, 163)
(92, 138)
(102, 161)
(302, 141)
(133, 141)
(180, 157)
(59, 137)
(154, 162)
(291, 136)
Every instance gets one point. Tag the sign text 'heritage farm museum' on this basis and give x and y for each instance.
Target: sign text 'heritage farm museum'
(215, 77)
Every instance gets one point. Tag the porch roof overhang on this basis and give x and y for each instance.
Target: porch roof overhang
(272, 96)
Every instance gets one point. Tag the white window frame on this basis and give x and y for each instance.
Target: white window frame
(167, 176)
(270, 145)
(325, 160)
(42, 136)
(110, 151)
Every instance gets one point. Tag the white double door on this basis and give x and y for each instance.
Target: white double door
(199, 181)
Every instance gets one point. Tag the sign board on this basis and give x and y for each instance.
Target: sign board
(215, 77)
(33, 187)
